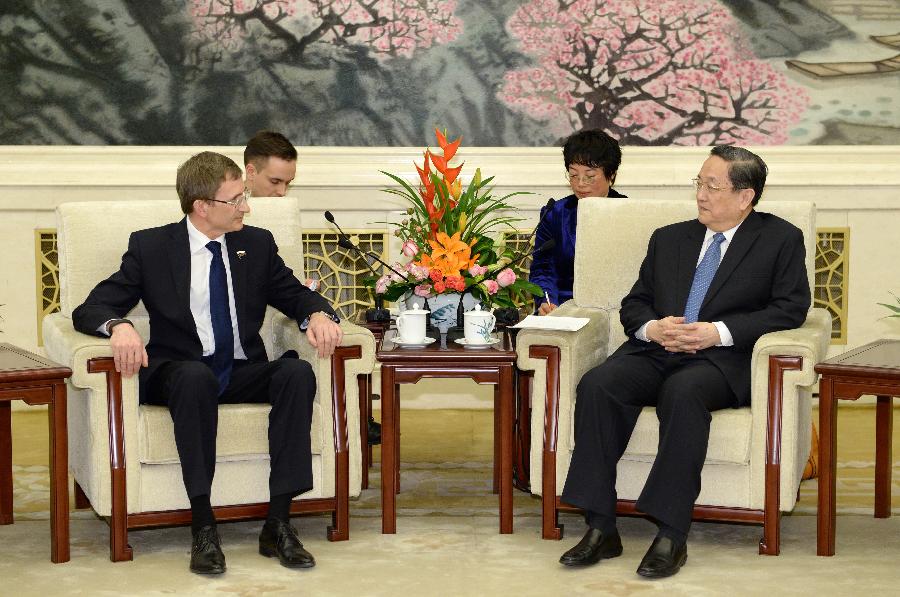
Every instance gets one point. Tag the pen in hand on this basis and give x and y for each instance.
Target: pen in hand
(546, 297)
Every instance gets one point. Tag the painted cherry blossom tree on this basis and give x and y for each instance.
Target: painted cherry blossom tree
(649, 73)
(386, 27)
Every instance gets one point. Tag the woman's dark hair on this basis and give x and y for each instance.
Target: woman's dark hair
(593, 148)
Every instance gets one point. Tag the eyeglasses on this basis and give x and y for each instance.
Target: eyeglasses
(582, 178)
(699, 184)
(236, 203)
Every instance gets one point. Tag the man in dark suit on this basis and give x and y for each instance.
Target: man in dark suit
(206, 282)
(706, 291)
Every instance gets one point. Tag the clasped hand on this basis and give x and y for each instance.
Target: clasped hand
(673, 334)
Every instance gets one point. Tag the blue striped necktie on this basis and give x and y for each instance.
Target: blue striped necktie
(220, 312)
(703, 276)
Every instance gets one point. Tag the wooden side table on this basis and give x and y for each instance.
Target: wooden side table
(36, 380)
(490, 365)
(873, 369)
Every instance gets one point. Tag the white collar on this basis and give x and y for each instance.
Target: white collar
(198, 240)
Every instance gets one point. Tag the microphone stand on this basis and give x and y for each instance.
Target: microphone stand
(378, 314)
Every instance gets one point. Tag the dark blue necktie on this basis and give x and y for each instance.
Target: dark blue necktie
(222, 360)
(703, 276)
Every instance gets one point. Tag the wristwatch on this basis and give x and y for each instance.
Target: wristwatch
(113, 323)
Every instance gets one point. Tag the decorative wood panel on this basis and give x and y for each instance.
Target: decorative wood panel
(339, 271)
(832, 282)
(46, 266)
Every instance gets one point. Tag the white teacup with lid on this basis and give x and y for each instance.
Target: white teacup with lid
(477, 325)
(411, 325)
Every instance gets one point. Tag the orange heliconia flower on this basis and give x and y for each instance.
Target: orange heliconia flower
(448, 254)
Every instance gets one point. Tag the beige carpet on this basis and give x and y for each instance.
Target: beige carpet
(447, 541)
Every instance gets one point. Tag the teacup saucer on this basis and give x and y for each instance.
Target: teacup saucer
(425, 342)
(468, 344)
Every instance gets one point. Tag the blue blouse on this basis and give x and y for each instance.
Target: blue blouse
(553, 270)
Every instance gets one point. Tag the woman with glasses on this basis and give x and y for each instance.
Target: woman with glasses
(591, 158)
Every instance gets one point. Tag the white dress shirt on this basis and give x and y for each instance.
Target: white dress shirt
(201, 259)
(725, 337)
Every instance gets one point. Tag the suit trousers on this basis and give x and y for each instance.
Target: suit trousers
(685, 389)
(190, 390)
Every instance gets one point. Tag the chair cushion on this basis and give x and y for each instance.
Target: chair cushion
(729, 436)
(243, 433)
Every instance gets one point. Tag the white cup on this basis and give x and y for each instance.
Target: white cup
(411, 325)
(477, 325)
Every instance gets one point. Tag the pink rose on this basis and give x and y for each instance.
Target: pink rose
(506, 277)
(381, 285)
(423, 290)
(491, 286)
(477, 270)
(419, 272)
(410, 248)
(396, 277)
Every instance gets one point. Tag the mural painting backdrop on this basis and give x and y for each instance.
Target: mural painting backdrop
(500, 72)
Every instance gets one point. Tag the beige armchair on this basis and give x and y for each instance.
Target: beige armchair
(123, 454)
(756, 454)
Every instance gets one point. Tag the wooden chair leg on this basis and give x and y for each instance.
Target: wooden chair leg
(770, 544)
(364, 382)
(550, 527)
(119, 550)
(340, 529)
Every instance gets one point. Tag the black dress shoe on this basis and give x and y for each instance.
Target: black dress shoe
(374, 432)
(279, 538)
(592, 548)
(206, 552)
(664, 558)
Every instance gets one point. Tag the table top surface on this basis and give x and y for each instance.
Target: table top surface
(18, 364)
(446, 351)
(881, 355)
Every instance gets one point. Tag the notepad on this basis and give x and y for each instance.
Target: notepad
(539, 322)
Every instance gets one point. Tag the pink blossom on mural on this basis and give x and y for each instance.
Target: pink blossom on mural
(388, 28)
(672, 71)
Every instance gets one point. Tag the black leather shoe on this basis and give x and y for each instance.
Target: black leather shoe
(206, 552)
(664, 558)
(592, 548)
(279, 538)
(374, 432)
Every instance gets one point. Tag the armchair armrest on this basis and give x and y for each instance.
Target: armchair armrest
(590, 343)
(560, 360)
(780, 440)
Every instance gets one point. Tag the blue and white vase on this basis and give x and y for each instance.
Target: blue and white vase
(443, 307)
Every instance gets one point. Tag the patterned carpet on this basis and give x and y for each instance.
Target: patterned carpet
(447, 541)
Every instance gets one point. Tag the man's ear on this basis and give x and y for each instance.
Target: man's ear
(745, 198)
(200, 207)
(251, 170)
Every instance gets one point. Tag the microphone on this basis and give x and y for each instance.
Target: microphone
(379, 313)
(346, 243)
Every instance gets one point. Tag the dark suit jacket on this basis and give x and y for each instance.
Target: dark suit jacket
(157, 269)
(761, 286)
(554, 271)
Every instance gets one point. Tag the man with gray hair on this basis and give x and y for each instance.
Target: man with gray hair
(706, 291)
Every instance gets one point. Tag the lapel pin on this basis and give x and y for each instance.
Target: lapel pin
(240, 254)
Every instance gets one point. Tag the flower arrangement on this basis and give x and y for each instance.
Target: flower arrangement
(447, 237)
